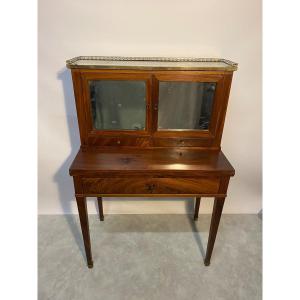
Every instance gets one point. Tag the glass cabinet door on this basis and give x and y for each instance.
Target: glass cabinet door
(185, 105)
(118, 104)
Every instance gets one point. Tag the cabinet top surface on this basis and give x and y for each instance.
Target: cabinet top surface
(151, 63)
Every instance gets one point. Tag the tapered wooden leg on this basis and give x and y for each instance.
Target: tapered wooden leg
(100, 206)
(84, 222)
(215, 220)
(197, 205)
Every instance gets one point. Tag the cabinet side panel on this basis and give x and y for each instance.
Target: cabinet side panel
(78, 93)
(223, 109)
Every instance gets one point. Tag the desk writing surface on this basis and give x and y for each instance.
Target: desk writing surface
(151, 162)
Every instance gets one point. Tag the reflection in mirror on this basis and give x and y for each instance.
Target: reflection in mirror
(185, 105)
(118, 104)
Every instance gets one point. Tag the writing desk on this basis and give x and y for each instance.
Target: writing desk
(151, 127)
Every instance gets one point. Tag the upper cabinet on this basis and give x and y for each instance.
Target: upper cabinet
(151, 102)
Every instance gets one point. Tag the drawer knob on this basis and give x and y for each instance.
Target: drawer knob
(150, 187)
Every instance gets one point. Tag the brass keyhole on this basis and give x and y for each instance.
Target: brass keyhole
(126, 160)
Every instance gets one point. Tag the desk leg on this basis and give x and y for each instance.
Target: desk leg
(84, 222)
(100, 206)
(215, 220)
(197, 205)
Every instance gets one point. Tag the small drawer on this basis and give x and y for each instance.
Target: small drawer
(181, 142)
(127, 141)
(144, 186)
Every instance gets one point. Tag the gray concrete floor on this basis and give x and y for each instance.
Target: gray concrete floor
(150, 257)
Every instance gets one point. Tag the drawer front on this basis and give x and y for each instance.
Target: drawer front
(182, 142)
(96, 140)
(150, 186)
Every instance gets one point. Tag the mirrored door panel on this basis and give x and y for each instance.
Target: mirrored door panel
(118, 104)
(185, 105)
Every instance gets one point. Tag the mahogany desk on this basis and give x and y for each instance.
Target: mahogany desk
(151, 127)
